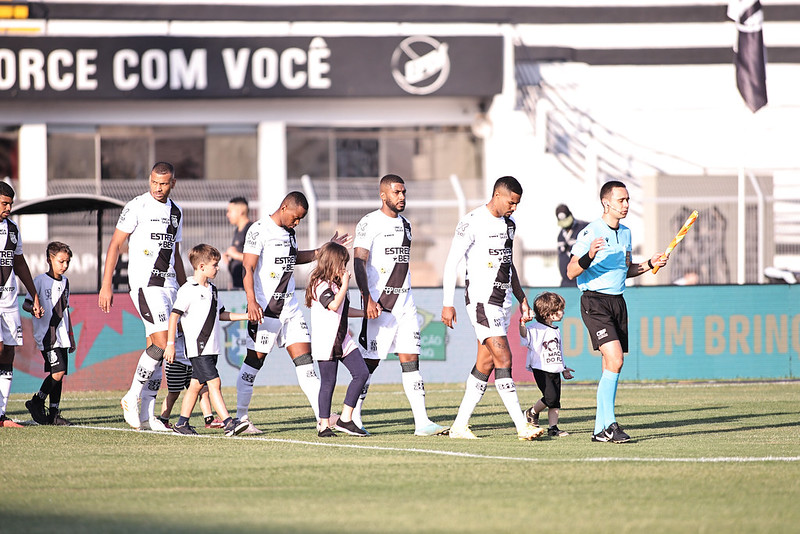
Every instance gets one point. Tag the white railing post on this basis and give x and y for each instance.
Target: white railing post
(459, 193)
(741, 227)
(313, 210)
(761, 216)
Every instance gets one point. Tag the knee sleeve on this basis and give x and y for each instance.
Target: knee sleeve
(480, 376)
(502, 372)
(409, 367)
(372, 364)
(303, 359)
(254, 361)
(155, 352)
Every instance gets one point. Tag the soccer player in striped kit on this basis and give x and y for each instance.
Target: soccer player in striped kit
(12, 264)
(382, 252)
(153, 223)
(270, 254)
(484, 238)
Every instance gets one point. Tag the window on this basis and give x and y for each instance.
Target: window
(128, 152)
(413, 153)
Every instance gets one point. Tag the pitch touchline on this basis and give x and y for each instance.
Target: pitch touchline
(721, 459)
(523, 385)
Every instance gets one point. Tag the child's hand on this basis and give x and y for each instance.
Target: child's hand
(169, 353)
(568, 373)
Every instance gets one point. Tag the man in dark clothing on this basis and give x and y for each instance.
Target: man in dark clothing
(570, 228)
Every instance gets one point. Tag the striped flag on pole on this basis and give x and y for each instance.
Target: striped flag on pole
(750, 54)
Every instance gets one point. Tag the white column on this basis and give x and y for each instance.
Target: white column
(32, 179)
(272, 178)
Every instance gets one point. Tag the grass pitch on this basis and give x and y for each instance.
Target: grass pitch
(708, 457)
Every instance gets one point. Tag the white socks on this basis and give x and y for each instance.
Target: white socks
(244, 389)
(5, 389)
(144, 372)
(508, 394)
(472, 396)
(309, 383)
(360, 403)
(149, 394)
(415, 391)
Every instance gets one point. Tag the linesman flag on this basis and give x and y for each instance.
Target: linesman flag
(750, 54)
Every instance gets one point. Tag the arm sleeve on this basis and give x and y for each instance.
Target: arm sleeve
(462, 240)
(252, 245)
(581, 245)
(127, 219)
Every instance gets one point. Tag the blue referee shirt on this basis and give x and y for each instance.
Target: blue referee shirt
(609, 269)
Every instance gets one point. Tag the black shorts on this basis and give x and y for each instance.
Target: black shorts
(204, 368)
(178, 376)
(606, 318)
(56, 360)
(550, 386)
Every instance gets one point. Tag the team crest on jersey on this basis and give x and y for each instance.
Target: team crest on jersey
(175, 221)
(13, 237)
(292, 241)
(408, 233)
(511, 232)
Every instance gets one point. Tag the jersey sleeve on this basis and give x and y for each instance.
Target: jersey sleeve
(365, 234)
(252, 243)
(128, 218)
(181, 301)
(583, 242)
(462, 241)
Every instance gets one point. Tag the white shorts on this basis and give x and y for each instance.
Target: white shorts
(291, 328)
(11, 327)
(388, 333)
(489, 320)
(154, 305)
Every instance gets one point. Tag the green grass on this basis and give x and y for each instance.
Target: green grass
(704, 458)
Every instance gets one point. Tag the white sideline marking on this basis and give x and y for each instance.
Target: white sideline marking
(591, 386)
(434, 452)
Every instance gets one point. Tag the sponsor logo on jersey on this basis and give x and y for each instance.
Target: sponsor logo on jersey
(7, 258)
(361, 229)
(504, 253)
(162, 274)
(282, 296)
(395, 290)
(601, 334)
(502, 285)
(461, 229)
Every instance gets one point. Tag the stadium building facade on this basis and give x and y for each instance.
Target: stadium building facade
(256, 98)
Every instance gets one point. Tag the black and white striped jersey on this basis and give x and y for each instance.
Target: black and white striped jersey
(10, 247)
(52, 329)
(276, 248)
(199, 308)
(154, 228)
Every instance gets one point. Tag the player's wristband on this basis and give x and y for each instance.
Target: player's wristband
(650, 264)
(585, 261)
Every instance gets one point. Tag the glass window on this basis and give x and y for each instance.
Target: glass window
(8, 153)
(124, 158)
(186, 154)
(308, 153)
(413, 153)
(356, 158)
(231, 154)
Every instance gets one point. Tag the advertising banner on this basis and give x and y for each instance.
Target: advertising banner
(676, 333)
(37, 68)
